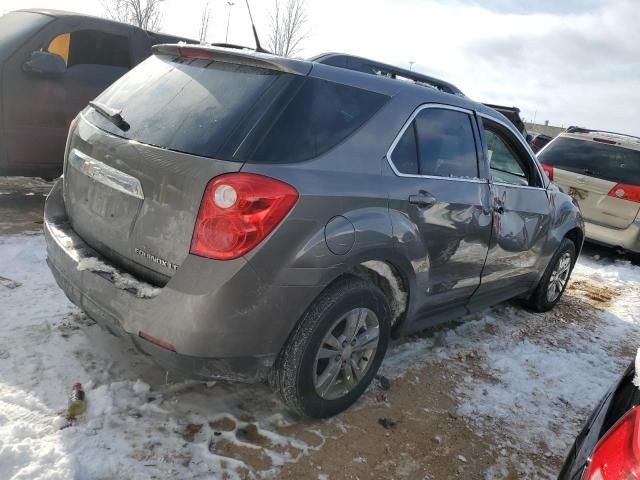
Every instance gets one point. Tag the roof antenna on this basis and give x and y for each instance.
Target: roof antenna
(255, 33)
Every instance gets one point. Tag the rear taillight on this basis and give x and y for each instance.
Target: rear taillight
(193, 52)
(617, 454)
(548, 169)
(237, 212)
(626, 192)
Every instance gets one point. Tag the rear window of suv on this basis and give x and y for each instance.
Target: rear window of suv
(234, 112)
(190, 107)
(601, 160)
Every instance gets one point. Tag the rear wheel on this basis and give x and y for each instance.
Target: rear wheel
(555, 278)
(335, 351)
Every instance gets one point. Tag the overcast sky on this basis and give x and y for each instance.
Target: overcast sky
(572, 62)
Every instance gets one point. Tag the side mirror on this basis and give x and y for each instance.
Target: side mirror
(45, 63)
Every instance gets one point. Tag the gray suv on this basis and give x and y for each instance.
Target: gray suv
(244, 216)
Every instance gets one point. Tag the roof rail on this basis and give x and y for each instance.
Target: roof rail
(359, 64)
(574, 129)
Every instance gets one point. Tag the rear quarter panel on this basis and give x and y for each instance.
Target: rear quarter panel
(347, 181)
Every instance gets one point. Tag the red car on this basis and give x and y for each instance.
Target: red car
(608, 447)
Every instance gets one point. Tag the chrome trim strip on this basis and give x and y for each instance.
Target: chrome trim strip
(502, 184)
(103, 173)
(404, 128)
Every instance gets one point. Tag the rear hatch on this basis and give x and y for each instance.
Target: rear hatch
(133, 190)
(603, 175)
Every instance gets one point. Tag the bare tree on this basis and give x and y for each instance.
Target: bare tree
(288, 27)
(204, 22)
(145, 14)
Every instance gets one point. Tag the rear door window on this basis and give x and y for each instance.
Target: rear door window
(320, 116)
(601, 160)
(438, 142)
(446, 145)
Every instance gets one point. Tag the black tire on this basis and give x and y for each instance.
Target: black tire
(538, 300)
(293, 373)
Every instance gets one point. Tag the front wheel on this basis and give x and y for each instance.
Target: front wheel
(555, 278)
(335, 350)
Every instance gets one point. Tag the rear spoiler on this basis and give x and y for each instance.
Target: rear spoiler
(235, 56)
(359, 64)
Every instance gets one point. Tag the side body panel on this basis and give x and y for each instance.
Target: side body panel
(446, 239)
(521, 224)
(521, 240)
(344, 182)
(438, 251)
(446, 242)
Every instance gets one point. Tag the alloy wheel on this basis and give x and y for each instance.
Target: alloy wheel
(559, 277)
(346, 353)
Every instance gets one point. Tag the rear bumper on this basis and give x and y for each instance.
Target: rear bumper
(221, 319)
(628, 238)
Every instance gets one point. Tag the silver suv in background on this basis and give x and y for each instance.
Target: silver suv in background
(601, 170)
(241, 215)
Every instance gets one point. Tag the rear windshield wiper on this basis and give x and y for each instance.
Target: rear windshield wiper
(111, 114)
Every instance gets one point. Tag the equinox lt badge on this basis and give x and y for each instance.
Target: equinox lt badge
(158, 260)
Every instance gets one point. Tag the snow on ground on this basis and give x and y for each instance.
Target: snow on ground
(540, 375)
(137, 424)
(527, 382)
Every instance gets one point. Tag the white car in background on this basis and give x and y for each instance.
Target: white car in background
(601, 170)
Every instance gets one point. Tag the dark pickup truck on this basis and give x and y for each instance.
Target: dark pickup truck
(513, 114)
(52, 63)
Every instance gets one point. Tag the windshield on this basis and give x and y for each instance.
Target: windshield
(17, 28)
(191, 106)
(609, 162)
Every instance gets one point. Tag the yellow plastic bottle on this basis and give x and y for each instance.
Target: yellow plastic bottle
(77, 403)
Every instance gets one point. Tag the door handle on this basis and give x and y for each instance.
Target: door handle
(422, 200)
